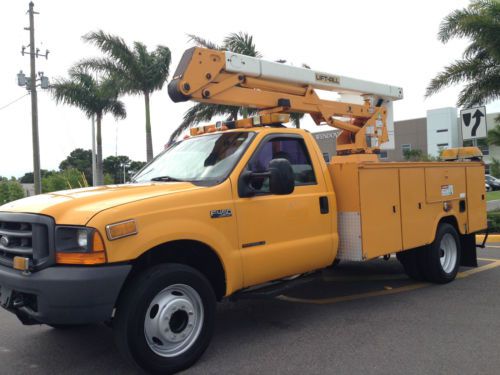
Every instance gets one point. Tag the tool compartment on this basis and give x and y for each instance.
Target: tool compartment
(389, 207)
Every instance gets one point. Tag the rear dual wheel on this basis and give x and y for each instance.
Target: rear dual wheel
(438, 262)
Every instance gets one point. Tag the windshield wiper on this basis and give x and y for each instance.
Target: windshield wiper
(167, 179)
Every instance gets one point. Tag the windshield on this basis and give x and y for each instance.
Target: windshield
(208, 158)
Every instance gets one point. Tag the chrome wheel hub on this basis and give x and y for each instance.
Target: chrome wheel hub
(173, 320)
(448, 253)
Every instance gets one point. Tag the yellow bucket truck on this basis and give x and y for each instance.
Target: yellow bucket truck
(234, 206)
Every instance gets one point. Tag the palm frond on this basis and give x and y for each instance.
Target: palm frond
(295, 119)
(117, 109)
(241, 43)
(101, 65)
(81, 90)
(201, 42)
(72, 93)
(459, 71)
(481, 90)
(160, 67)
(112, 45)
(494, 136)
(201, 112)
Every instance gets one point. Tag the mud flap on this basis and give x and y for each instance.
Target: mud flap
(468, 247)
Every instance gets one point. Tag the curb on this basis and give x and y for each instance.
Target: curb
(491, 238)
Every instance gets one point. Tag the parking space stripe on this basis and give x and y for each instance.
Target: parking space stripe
(494, 263)
(325, 301)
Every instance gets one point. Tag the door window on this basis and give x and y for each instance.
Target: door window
(292, 149)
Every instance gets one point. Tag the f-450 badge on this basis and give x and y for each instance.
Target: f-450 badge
(217, 214)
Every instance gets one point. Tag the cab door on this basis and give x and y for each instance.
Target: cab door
(282, 235)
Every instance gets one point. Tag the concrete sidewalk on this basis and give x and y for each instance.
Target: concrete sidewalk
(493, 205)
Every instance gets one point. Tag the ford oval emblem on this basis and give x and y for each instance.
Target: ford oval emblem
(4, 241)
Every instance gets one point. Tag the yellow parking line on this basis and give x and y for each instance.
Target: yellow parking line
(352, 297)
(324, 301)
(400, 276)
(494, 263)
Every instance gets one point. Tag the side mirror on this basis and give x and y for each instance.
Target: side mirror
(281, 179)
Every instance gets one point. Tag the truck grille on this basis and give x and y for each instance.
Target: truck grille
(25, 235)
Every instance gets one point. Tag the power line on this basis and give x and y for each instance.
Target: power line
(14, 101)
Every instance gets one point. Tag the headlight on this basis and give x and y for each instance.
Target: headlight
(82, 239)
(79, 245)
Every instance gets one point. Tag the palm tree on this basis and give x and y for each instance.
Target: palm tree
(479, 68)
(95, 98)
(494, 136)
(137, 70)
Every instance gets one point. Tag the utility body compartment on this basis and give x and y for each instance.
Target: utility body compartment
(389, 207)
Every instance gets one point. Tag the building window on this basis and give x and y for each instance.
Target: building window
(326, 156)
(442, 145)
(383, 154)
(406, 148)
(442, 131)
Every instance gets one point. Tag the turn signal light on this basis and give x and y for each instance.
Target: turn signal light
(21, 264)
(81, 258)
(96, 255)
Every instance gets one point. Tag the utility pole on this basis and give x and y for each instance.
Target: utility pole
(31, 85)
(37, 176)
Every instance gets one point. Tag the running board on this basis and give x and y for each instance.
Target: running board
(273, 289)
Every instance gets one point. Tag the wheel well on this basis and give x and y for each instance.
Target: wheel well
(191, 253)
(452, 220)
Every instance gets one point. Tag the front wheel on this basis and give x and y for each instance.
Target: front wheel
(165, 320)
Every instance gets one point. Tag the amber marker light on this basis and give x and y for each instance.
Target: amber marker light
(121, 229)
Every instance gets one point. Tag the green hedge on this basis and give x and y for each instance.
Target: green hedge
(494, 221)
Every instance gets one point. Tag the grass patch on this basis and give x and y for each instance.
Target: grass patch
(493, 195)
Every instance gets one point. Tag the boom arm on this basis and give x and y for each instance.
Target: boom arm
(221, 77)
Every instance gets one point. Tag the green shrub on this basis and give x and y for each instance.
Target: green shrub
(494, 221)
(10, 190)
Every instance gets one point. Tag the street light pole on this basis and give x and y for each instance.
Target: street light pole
(37, 177)
(94, 171)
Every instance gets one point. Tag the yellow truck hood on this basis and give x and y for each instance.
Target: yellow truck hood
(78, 206)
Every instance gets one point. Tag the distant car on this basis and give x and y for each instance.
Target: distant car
(487, 187)
(493, 182)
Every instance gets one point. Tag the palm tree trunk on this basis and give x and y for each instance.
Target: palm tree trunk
(149, 140)
(99, 171)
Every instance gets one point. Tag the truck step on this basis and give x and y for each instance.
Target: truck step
(275, 288)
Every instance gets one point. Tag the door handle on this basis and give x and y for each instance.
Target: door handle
(323, 205)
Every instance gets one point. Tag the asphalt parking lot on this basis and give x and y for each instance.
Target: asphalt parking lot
(358, 318)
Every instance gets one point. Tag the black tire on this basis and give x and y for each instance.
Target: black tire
(409, 259)
(446, 238)
(130, 325)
